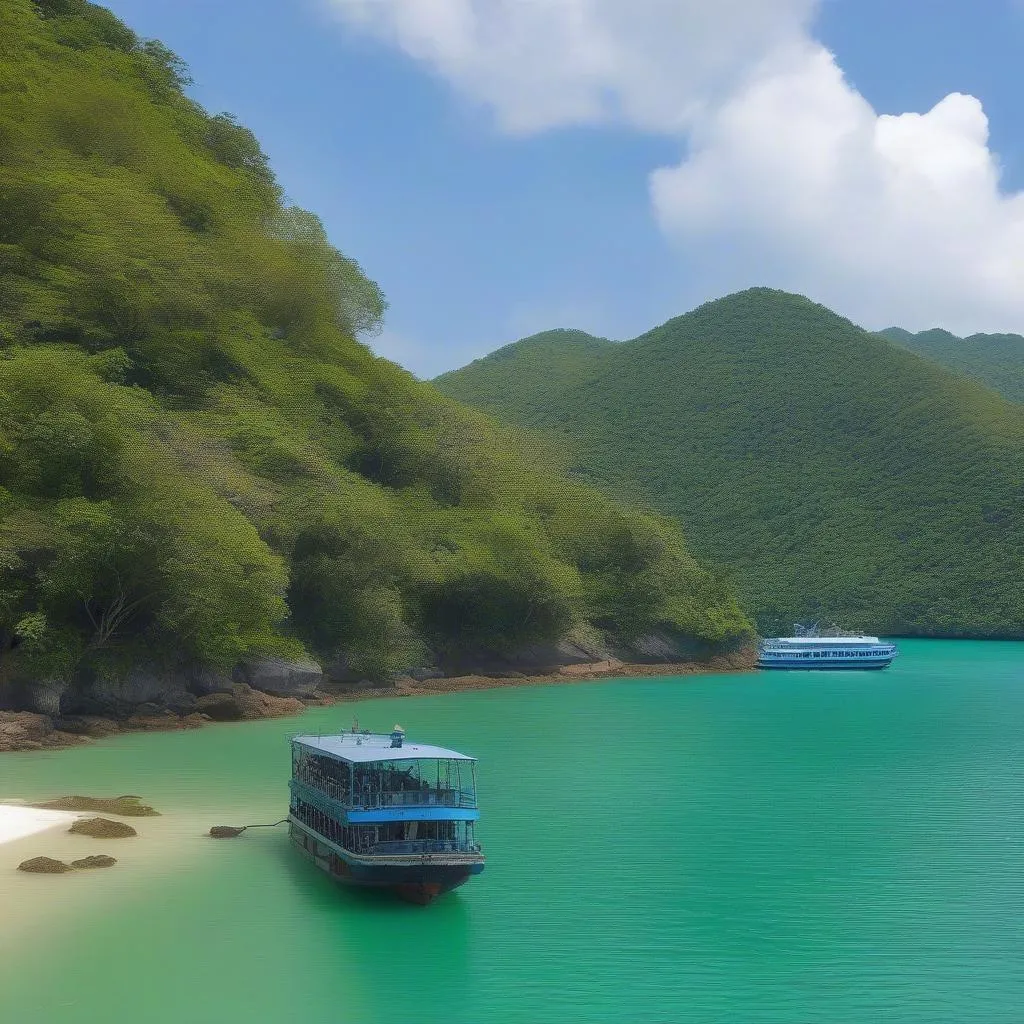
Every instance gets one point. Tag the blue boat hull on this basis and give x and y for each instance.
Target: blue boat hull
(420, 881)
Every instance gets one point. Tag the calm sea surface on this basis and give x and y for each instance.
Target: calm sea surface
(787, 848)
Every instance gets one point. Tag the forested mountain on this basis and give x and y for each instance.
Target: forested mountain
(199, 461)
(995, 359)
(837, 474)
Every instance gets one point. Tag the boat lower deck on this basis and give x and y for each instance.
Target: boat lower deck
(418, 878)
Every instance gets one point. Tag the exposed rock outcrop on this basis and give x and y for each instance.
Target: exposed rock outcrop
(535, 659)
(280, 677)
(141, 685)
(44, 696)
(102, 828)
(243, 702)
(93, 726)
(99, 860)
(44, 866)
(28, 730)
(203, 681)
(123, 806)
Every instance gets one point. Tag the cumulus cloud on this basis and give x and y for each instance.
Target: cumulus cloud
(789, 177)
(891, 219)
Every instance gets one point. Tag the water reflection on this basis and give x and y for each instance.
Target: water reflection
(393, 951)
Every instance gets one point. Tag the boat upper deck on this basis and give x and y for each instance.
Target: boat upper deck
(365, 748)
(825, 641)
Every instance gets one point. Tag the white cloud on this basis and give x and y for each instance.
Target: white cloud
(790, 177)
(891, 219)
(544, 63)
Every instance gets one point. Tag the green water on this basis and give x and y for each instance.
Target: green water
(786, 848)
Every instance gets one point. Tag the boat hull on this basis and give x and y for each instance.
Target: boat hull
(418, 880)
(858, 666)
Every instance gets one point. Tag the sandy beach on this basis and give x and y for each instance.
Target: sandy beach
(35, 903)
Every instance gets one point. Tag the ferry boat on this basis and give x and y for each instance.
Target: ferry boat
(834, 649)
(371, 809)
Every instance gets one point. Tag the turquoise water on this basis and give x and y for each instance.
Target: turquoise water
(784, 848)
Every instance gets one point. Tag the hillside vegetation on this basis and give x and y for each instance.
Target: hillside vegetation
(836, 474)
(994, 359)
(197, 459)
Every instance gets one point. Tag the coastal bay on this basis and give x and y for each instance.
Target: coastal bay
(748, 847)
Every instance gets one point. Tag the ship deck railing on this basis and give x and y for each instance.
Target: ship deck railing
(416, 847)
(368, 798)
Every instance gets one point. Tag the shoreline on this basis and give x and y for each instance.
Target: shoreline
(583, 673)
(26, 731)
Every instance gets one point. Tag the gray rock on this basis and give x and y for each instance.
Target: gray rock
(44, 696)
(422, 674)
(203, 681)
(181, 703)
(279, 676)
(141, 685)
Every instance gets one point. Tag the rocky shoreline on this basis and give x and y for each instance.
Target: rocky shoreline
(33, 731)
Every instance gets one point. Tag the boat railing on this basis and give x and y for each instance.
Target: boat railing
(416, 798)
(369, 798)
(416, 847)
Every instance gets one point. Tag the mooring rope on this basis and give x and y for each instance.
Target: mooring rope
(230, 831)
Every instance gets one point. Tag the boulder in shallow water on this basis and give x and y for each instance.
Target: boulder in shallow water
(122, 806)
(99, 860)
(226, 831)
(102, 828)
(44, 866)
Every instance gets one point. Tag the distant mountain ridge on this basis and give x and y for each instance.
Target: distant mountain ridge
(995, 359)
(831, 470)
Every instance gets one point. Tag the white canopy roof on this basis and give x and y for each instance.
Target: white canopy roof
(360, 747)
(826, 641)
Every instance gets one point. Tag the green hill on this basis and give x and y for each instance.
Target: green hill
(835, 474)
(197, 459)
(994, 359)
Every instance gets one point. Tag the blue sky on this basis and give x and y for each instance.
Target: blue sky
(480, 234)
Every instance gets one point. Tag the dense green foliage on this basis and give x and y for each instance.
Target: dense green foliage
(836, 474)
(197, 458)
(994, 359)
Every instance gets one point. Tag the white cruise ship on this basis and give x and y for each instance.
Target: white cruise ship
(811, 650)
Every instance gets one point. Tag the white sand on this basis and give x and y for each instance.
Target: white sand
(18, 822)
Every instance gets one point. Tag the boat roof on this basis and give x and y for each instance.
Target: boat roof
(364, 747)
(825, 639)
